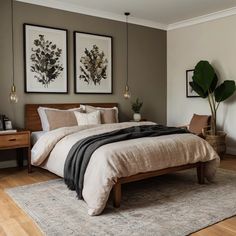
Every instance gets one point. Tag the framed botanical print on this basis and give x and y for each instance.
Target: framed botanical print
(190, 93)
(45, 53)
(93, 63)
(1, 122)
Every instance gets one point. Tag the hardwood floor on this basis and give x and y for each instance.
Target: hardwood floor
(226, 227)
(14, 222)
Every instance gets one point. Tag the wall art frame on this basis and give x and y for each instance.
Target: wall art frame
(190, 93)
(1, 122)
(93, 63)
(45, 59)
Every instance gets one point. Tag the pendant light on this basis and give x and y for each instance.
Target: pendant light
(12, 96)
(127, 93)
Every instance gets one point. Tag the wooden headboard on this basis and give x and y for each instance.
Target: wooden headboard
(32, 120)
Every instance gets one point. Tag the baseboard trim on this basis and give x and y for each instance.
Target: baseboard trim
(231, 150)
(9, 164)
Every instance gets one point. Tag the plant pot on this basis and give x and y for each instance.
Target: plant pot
(217, 142)
(137, 117)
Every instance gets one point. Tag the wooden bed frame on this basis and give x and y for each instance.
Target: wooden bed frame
(33, 123)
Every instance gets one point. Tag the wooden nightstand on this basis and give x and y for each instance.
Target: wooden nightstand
(19, 140)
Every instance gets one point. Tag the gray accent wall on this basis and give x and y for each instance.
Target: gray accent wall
(147, 61)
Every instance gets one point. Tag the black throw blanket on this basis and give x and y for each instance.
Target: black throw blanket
(81, 152)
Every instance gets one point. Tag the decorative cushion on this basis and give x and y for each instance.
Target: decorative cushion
(92, 118)
(198, 122)
(44, 118)
(108, 115)
(59, 118)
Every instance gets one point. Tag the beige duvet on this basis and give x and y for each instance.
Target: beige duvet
(120, 159)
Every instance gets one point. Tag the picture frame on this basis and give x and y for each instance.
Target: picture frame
(2, 125)
(190, 93)
(92, 63)
(45, 59)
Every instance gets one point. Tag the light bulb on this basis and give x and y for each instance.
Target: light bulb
(13, 96)
(127, 93)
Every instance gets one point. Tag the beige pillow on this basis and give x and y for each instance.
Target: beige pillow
(92, 118)
(43, 116)
(108, 115)
(60, 118)
(198, 122)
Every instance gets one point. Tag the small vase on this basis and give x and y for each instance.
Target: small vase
(137, 117)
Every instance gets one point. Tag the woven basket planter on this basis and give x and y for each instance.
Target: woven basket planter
(217, 142)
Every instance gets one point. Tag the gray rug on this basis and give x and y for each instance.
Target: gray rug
(167, 205)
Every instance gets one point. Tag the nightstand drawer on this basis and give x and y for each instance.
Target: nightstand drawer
(14, 140)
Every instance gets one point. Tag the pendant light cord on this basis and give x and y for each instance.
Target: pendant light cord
(127, 48)
(12, 48)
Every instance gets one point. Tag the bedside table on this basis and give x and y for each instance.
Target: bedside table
(19, 140)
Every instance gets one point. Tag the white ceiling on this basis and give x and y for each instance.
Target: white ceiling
(161, 11)
(163, 14)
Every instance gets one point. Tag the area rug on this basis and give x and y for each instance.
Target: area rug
(167, 205)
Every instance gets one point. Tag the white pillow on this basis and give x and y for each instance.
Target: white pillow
(44, 119)
(92, 118)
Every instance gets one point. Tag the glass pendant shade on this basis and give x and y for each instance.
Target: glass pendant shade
(13, 96)
(127, 93)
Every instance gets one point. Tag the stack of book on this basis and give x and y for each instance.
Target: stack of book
(8, 131)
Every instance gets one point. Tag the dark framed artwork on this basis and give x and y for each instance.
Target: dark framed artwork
(92, 63)
(46, 59)
(190, 93)
(1, 122)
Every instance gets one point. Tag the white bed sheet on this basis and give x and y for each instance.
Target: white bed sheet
(35, 136)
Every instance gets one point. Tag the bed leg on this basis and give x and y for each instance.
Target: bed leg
(117, 194)
(200, 173)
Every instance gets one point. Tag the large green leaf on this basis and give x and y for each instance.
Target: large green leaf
(214, 83)
(225, 90)
(204, 75)
(198, 89)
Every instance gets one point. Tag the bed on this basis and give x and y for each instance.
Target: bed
(175, 153)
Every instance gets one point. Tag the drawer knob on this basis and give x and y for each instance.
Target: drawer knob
(12, 139)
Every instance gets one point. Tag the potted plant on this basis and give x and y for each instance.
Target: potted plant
(136, 107)
(205, 84)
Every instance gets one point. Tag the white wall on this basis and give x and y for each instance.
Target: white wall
(214, 41)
